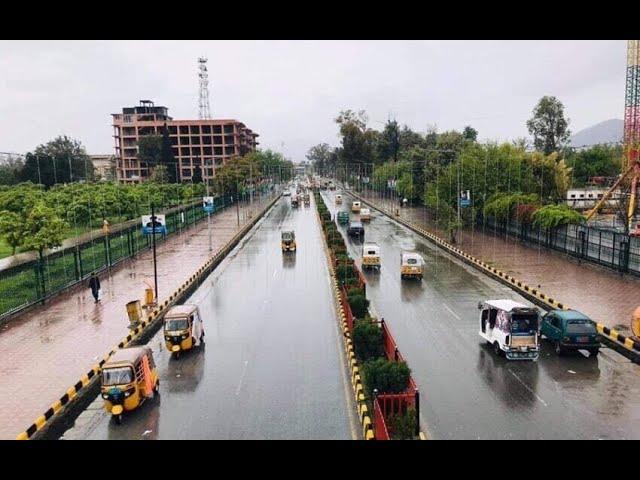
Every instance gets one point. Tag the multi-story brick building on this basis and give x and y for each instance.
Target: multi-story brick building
(203, 144)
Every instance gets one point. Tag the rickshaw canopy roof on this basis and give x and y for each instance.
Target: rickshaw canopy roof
(180, 311)
(128, 355)
(406, 256)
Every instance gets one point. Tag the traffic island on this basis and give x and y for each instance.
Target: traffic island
(383, 387)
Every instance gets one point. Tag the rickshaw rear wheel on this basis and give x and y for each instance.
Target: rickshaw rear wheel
(119, 419)
(496, 348)
(156, 387)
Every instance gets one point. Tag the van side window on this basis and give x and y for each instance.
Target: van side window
(493, 313)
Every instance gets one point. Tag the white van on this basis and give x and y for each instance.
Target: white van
(511, 328)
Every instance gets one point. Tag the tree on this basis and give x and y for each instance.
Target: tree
(159, 174)
(150, 150)
(358, 141)
(388, 145)
(548, 126)
(43, 229)
(167, 157)
(61, 160)
(11, 229)
(197, 174)
(10, 171)
(470, 133)
(320, 157)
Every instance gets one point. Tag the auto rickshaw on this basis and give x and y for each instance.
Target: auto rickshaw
(411, 265)
(338, 199)
(288, 241)
(307, 200)
(365, 215)
(355, 207)
(129, 377)
(183, 328)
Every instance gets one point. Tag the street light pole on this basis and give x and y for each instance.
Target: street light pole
(153, 241)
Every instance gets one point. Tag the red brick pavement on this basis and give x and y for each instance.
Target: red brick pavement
(47, 349)
(603, 295)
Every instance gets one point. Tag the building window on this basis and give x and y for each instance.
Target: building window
(228, 129)
(173, 130)
(184, 151)
(207, 150)
(195, 151)
(217, 129)
(195, 140)
(207, 140)
(194, 129)
(184, 130)
(186, 173)
(206, 129)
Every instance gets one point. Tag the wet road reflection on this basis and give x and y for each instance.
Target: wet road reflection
(467, 391)
(271, 367)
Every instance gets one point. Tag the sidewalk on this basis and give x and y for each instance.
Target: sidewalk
(47, 349)
(605, 296)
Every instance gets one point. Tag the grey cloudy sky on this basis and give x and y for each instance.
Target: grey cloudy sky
(290, 91)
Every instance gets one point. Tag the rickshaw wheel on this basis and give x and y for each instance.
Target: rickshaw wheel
(156, 387)
(119, 419)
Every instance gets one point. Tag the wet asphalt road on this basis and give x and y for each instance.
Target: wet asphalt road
(466, 391)
(272, 365)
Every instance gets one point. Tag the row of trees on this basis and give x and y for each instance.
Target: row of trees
(431, 168)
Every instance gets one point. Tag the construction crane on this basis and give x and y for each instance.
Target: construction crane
(631, 162)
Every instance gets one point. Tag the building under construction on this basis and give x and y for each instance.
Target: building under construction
(197, 144)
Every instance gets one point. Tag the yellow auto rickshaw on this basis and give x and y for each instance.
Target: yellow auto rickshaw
(183, 328)
(129, 377)
(288, 241)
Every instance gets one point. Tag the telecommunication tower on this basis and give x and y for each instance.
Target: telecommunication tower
(630, 176)
(203, 103)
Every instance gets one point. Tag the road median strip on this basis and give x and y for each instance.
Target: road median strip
(39, 428)
(625, 345)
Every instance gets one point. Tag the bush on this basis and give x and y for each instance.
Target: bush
(402, 426)
(367, 340)
(356, 291)
(386, 376)
(359, 305)
(345, 272)
(551, 216)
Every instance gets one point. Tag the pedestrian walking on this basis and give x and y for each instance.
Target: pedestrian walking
(94, 285)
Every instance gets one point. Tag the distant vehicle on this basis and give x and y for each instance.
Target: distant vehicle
(570, 330)
(411, 265)
(343, 218)
(635, 232)
(331, 186)
(371, 255)
(294, 201)
(288, 241)
(338, 199)
(286, 193)
(511, 328)
(355, 229)
(307, 200)
(365, 215)
(355, 207)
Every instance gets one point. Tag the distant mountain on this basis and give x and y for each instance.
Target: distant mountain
(608, 131)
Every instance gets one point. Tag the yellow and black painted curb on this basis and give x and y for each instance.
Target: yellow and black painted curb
(92, 376)
(356, 381)
(621, 343)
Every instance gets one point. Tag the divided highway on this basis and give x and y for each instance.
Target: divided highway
(272, 365)
(466, 391)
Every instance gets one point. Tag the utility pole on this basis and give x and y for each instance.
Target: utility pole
(153, 241)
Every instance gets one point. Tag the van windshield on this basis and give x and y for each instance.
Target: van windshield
(174, 324)
(117, 376)
(581, 326)
(524, 324)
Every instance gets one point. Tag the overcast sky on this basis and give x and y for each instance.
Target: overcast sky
(290, 91)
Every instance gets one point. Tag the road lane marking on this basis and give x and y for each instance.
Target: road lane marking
(527, 387)
(451, 311)
(274, 273)
(244, 370)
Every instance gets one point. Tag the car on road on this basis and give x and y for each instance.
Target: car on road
(570, 330)
(355, 229)
(343, 218)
